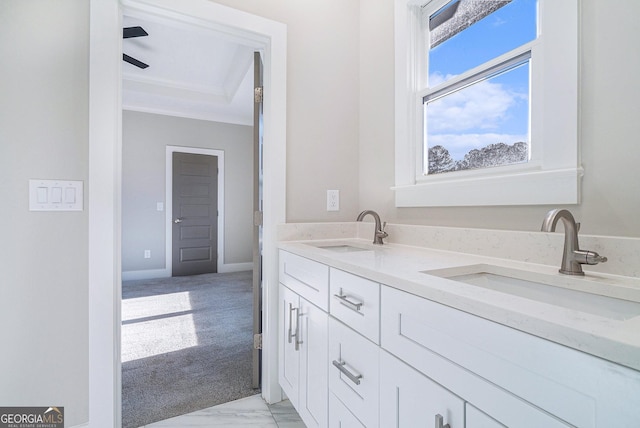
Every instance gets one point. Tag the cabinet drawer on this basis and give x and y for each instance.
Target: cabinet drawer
(340, 416)
(307, 278)
(430, 336)
(356, 302)
(354, 372)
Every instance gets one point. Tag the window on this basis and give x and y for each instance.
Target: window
(486, 102)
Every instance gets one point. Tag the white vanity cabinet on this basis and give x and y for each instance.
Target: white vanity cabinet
(356, 353)
(303, 361)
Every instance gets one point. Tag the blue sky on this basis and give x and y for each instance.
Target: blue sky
(495, 110)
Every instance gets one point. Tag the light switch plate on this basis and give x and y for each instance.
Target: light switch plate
(55, 195)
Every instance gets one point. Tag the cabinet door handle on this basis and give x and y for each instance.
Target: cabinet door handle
(440, 421)
(352, 377)
(290, 334)
(348, 303)
(297, 334)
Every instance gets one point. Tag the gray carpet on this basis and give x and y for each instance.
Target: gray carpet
(186, 345)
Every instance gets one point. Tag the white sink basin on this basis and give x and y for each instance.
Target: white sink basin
(578, 293)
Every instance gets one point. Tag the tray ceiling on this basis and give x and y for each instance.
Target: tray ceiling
(193, 72)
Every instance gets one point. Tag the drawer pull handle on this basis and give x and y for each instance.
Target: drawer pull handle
(348, 303)
(354, 378)
(440, 422)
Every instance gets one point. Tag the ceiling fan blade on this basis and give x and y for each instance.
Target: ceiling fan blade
(129, 32)
(134, 61)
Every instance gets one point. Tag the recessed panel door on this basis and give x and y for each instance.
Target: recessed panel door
(195, 214)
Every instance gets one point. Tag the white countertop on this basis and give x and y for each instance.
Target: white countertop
(402, 266)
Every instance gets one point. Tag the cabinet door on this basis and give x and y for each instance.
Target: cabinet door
(354, 372)
(314, 355)
(289, 359)
(478, 419)
(410, 399)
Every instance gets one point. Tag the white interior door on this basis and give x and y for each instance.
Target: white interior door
(257, 210)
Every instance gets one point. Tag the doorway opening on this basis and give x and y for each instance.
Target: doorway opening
(187, 340)
(105, 165)
(194, 233)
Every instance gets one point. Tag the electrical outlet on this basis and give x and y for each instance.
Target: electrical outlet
(147, 254)
(333, 200)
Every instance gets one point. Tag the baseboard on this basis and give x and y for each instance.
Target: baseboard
(145, 274)
(84, 425)
(164, 273)
(235, 267)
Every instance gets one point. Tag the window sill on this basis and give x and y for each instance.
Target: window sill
(553, 187)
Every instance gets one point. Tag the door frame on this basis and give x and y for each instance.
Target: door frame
(168, 267)
(105, 183)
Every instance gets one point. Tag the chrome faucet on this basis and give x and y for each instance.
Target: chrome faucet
(573, 257)
(379, 233)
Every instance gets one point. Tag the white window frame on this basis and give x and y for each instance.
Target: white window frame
(552, 176)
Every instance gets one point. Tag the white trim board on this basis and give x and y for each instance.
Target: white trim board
(105, 172)
(170, 150)
(134, 275)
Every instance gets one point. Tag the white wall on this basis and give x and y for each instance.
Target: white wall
(322, 103)
(330, 107)
(609, 127)
(144, 140)
(43, 255)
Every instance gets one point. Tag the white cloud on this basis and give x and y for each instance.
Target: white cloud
(483, 106)
(498, 21)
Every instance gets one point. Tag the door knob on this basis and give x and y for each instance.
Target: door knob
(178, 220)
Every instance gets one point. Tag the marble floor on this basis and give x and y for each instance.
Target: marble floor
(250, 412)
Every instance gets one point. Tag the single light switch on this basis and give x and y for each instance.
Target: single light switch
(42, 193)
(56, 195)
(70, 195)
